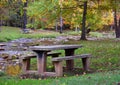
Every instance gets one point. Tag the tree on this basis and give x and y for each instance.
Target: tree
(83, 35)
(25, 15)
(115, 6)
(116, 19)
(17, 13)
(3, 6)
(46, 12)
(11, 12)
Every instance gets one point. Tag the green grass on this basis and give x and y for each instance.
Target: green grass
(68, 32)
(104, 78)
(105, 53)
(11, 33)
(95, 34)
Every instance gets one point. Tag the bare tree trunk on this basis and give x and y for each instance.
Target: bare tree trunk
(83, 35)
(25, 16)
(61, 21)
(119, 23)
(0, 23)
(116, 26)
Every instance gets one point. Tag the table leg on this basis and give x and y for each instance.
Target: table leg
(86, 63)
(41, 61)
(25, 65)
(69, 63)
(28, 64)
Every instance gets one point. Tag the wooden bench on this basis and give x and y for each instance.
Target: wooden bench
(58, 62)
(25, 60)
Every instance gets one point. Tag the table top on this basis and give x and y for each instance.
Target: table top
(54, 47)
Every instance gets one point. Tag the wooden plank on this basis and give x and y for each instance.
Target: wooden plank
(71, 57)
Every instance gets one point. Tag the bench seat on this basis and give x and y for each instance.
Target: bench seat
(53, 54)
(59, 67)
(70, 57)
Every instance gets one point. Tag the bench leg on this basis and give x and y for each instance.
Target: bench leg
(53, 56)
(25, 64)
(85, 62)
(58, 68)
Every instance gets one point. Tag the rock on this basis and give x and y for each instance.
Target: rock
(1, 59)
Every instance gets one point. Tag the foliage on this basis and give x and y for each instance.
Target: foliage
(46, 13)
(42, 11)
(11, 13)
(49, 12)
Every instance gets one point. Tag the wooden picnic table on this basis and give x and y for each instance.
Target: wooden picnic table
(41, 52)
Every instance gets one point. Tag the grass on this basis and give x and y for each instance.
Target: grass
(11, 33)
(102, 78)
(105, 53)
(7, 34)
(96, 34)
(105, 65)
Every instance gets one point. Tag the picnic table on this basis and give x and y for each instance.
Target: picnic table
(41, 52)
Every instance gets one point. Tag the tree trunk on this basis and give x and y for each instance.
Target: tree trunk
(25, 16)
(0, 24)
(83, 35)
(119, 23)
(116, 26)
(61, 22)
